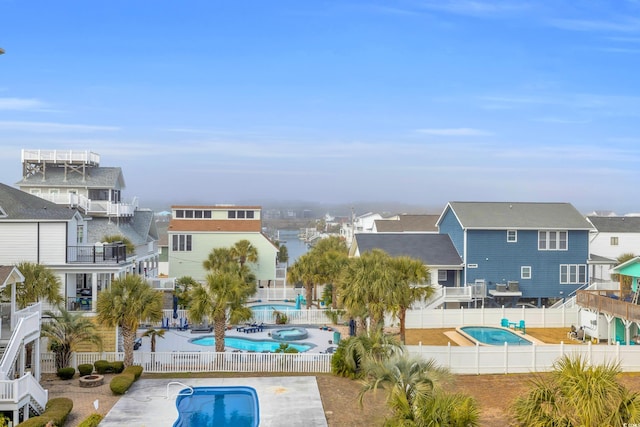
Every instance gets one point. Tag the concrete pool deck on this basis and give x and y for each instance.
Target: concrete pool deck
(290, 401)
(176, 340)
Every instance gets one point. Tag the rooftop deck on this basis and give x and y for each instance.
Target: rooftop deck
(61, 156)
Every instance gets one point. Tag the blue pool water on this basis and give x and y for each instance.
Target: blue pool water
(494, 336)
(218, 406)
(248, 344)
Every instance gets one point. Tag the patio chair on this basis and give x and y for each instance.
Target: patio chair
(580, 334)
(504, 322)
(572, 334)
(521, 327)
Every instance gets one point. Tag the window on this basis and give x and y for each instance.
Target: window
(188, 214)
(525, 272)
(180, 213)
(181, 242)
(552, 240)
(207, 214)
(198, 214)
(80, 234)
(512, 236)
(240, 214)
(249, 214)
(231, 214)
(442, 275)
(614, 241)
(573, 274)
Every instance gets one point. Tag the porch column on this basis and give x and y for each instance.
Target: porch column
(35, 362)
(13, 305)
(22, 359)
(94, 291)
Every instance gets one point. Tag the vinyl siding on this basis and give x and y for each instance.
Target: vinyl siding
(450, 225)
(18, 242)
(499, 261)
(53, 237)
(184, 263)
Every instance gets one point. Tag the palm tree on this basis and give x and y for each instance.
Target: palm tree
(414, 392)
(130, 247)
(153, 333)
(369, 347)
(409, 276)
(367, 281)
(124, 304)
(304, 270)
(224, 293)
(40, 283)
(217, 258)
(244, 252)
(183, 285)
(333, 257)
(65, 332)
(578, 394)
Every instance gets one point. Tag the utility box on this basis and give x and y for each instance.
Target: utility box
(336, 337)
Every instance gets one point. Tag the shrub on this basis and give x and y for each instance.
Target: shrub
(338, 364)
(66, 373)
(91, 421)
(56, 410)
(121, 383)
(118, 367)
(85, 369)
(136, 370)
(103, 366)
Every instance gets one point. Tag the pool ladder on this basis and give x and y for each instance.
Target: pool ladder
(189, 392)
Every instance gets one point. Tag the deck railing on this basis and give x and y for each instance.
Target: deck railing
(607, 302)
(110, 253)
(60, 156)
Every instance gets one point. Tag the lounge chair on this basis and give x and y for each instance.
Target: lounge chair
(521, 326)
(504, 323)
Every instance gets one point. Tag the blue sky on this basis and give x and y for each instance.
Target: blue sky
(417, 102)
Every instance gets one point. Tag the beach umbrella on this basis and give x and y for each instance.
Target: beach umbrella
(175, 307)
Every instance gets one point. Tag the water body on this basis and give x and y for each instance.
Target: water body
(295, 246)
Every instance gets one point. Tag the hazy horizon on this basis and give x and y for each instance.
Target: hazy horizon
(407, 102)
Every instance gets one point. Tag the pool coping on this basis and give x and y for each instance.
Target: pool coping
(532, 340)
(294, 399)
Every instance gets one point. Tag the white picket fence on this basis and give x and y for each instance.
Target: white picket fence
(513, 359)
(170, 362)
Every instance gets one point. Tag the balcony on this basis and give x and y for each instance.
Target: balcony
(92, 206)
(110, 253)
(606, 302)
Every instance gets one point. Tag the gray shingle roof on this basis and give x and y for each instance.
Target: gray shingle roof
(96, 177)
(432, 249)
(17, 204)
(518, 215)
(404, 223)
(616, 224)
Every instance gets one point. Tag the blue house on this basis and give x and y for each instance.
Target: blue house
(522, 251)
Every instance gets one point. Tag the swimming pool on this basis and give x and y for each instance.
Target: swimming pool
(248, 344)
(486, 335)
(218, 406)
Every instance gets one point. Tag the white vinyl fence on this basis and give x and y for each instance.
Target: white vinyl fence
(169, 362)
(512, 359)
(452, 318)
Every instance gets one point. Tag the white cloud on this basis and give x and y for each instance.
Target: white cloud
(455, 132)
(623, 26)
(20, 104)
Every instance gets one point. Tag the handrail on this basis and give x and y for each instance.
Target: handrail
(15, 390)
(179, 393)
(25, 326)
